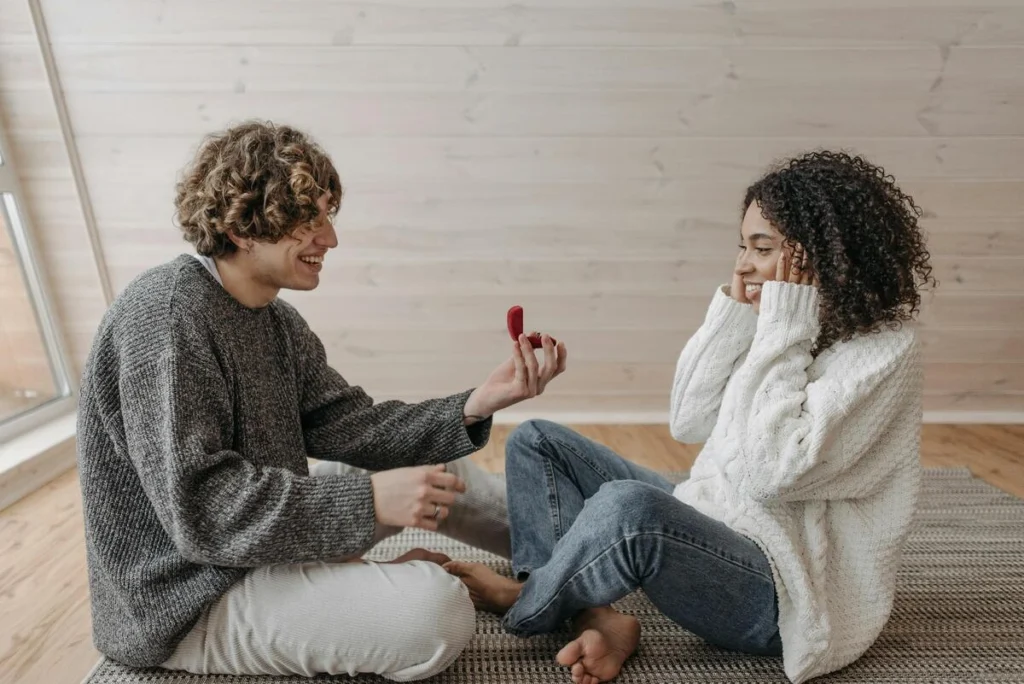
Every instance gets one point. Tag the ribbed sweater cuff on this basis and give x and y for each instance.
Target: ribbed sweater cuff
(465, 439)
(353, 517)
(729, 315)
(790, 307)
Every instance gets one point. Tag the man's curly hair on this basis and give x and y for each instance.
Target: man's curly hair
(861, 234)
(256, 180)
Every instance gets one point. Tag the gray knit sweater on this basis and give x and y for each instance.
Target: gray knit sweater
(195, 420)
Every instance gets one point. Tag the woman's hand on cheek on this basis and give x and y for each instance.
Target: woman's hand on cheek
(795, 267)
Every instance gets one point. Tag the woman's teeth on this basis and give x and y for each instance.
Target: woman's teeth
(312, 259)
(753, 289)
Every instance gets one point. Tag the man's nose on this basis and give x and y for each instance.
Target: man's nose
(327, 237)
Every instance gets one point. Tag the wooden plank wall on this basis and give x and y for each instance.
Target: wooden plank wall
(583, 158)
(25, 377)
(52, 208)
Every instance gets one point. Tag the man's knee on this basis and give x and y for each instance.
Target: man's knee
(442, 616)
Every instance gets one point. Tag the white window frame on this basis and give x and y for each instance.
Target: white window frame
(22, 232)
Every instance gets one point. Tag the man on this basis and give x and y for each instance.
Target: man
(212, 548)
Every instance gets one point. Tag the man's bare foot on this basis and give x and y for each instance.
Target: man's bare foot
(605, 640)
(489, 590)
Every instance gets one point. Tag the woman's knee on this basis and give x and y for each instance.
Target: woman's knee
(527, 436)
(537, 439)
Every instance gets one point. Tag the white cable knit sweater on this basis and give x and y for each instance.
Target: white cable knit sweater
(815, 459)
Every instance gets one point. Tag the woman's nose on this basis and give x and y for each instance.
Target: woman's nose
(743, 265)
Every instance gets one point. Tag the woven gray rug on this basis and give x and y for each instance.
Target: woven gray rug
(958, 616)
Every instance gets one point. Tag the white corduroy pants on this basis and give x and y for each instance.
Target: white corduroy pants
(404, 621)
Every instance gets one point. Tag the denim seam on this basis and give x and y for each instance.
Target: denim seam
(609, 548)
(553, 508)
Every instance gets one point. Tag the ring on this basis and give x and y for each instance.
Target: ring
(437, 511)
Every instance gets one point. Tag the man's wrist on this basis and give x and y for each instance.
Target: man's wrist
(472, 412)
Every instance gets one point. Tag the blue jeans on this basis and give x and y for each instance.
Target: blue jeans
(589, 527)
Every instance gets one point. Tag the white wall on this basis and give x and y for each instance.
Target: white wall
(583, 159)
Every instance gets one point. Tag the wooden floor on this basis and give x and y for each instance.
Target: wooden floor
(44, 607)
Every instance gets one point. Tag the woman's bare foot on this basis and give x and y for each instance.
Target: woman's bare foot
(423, 555)
(605, 640)
(489, 590)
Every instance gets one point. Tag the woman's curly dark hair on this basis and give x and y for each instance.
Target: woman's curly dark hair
(257, 180)
(862, 236)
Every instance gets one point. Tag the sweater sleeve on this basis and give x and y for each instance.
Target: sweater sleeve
(797, 439)
(704, 367)
(341, 422)
(218, 507)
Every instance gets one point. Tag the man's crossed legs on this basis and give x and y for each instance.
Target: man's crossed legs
(404, 621)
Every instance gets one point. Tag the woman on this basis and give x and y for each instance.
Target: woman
(806, 389)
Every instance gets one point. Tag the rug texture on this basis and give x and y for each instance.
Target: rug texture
(958, 615)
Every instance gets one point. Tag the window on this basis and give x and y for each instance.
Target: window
(34, 384)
